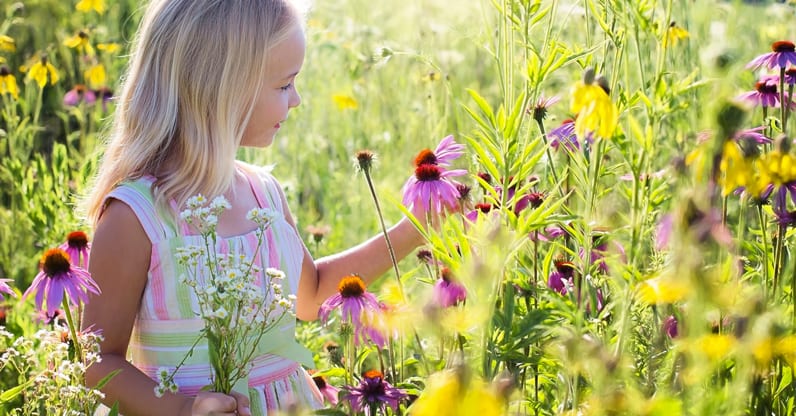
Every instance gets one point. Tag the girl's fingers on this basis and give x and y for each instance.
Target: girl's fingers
(243, 404)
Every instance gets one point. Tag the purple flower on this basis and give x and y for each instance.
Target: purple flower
(480, 208)
(374, 393)
(753, 134)
(765, 94)
(58, 277)
(77, 94)
(599, 249)
(783, 53)
(448, 291)
(564, 135)
(561, 278)
(77, 247)
(431, 187)
(670, 326)
(329, 392)
(5, 288)
(447, 150)
(539, 110)
(353, 300)
(663, 232)
(790, 76)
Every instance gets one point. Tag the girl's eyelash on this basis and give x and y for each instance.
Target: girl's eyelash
(286, 87)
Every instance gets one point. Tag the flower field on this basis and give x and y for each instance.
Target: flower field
(619, 178)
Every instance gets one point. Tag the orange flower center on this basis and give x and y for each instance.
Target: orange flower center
(351, 286)
(54, 262)
(428, 173)
(783, 46)
(373, 374)
(425, 157)
(77, 239)
(447, 275)
(485, 208)
(564, 266)
(4, 71)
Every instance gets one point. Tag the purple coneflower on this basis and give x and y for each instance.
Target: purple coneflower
(431, 187)
(790, 76)
(561, 279)
(448, 150)
(77, 247)
(564, 135)
(670, 327)
(374, 393)
(58, 276)
(600, 247)
(329, 392)
(765, 94)
(482, 208)
(79, 94)
(5, 288)
(353, 300)
(448, 291)
(783, 53)
(539, 110)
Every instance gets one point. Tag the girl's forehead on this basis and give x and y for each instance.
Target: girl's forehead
(287, 56)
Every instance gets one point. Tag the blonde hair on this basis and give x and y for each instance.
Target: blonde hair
(195, 69)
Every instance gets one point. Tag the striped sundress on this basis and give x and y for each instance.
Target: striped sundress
(167, 325)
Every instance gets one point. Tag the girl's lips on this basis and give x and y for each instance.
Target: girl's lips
(277, 125)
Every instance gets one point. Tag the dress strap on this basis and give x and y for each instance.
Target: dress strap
(138, 196)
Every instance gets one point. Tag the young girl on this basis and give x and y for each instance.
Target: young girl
(205, 77)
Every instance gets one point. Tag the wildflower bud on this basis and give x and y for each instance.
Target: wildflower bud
(603, 83)
(588, 76)
(425, 256)
(749, 149)
(730, 119)
(782, 143)
(504, 385)
(464, 192)
(365, 160)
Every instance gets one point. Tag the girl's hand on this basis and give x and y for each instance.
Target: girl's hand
(209, 403)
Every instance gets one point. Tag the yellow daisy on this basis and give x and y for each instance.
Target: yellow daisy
(345, 102)
(674, 34)
(109, 47)
(595, 112)
(8, 83)
(87, 5)
(80, 42)
(95, 76)
(41, 70)
(7, 44)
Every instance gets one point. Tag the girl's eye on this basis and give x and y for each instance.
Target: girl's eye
(286, 87)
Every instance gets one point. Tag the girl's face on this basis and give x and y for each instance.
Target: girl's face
(278, 94)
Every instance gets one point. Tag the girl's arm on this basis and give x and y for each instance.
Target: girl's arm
(119, 264)
(370, 259)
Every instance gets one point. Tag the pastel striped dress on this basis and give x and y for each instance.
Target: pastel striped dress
(167, 325)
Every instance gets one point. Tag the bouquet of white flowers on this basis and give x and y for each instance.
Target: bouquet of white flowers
(237, 312)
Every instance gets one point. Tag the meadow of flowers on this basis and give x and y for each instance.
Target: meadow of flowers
(618, 177)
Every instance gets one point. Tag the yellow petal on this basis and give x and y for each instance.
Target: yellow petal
(7, 44)
(661, 290)
(95, 76)
(345, 101)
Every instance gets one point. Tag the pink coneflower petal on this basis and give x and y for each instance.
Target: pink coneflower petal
(58, 278)
(5, 288)
(448, 150)
(431, 187)
(352, 299)
(783, 54)
(77, 247)
(448, 291)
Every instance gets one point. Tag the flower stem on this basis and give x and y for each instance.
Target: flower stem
(765, 249)
(384, 231)
(72, 330)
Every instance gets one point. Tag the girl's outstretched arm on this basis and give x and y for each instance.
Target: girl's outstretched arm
(370, 259)
(119, 264)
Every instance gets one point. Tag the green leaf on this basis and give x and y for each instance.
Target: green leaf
(13, 392)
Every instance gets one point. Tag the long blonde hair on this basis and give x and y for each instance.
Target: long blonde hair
(195, 69)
